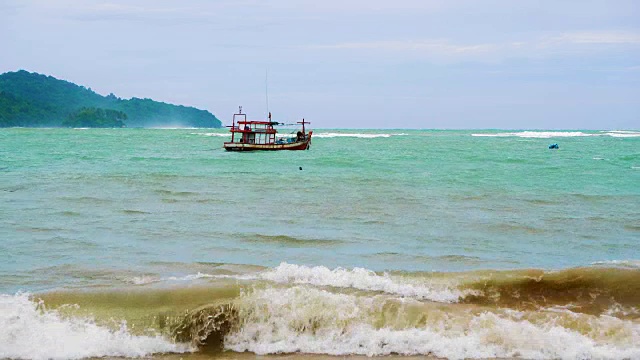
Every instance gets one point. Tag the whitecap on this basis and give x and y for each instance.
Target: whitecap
(364, 279)
(536, 134)
(623, 133)
(356, 135)
(632, 264)
(199, 275)
(559, 134)
(29, 331)
(191, 277)
(141, 280)
(213, 134)
(312, 321)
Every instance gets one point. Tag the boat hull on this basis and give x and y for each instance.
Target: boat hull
(234, 146)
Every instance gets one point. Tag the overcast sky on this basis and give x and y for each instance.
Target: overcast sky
(347, 63)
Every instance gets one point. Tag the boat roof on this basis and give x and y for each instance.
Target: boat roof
(258, 122)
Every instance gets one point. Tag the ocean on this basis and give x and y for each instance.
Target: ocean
(479, 244)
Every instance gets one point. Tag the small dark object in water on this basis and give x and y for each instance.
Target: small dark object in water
(300, 167)
(554, 146)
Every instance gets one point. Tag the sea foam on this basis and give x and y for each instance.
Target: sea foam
(225, 134)
(559, 134)
(356, 135)
(307, 320)
(363, 279)
(356, 278)
(631, 264)
(29, 331)
(623, 133)
(536, 134)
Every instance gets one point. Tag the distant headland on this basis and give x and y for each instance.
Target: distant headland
(36, 100)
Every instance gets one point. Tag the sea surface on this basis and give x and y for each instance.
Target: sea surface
(157, 243)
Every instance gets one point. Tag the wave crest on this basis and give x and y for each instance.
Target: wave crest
(555, 134)
(587, 290)
(363, 279)
(206, 327)
(356, 135)
(24, 322)
(301, 319)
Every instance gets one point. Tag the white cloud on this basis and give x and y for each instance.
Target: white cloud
(109, 10)
(434, 46)
(535, 47)
(599, 37)
(437, 50)
(113, 8)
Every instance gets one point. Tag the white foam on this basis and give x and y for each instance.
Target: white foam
(307, 320)
(141, 280)
(363, 279)
(28, 331)
(213, 134)
(618, 310)
(191, 277)
(199, 275)
(633, 264)
(623, 133)
(356, 135)
(536, 134)
(559, 134)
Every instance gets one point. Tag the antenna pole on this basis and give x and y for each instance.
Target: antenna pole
(266, 88)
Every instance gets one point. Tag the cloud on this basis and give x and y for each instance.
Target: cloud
(113, 8)
(372, 45)
(434, 49)
(598, 37)
(435, 46)
(554, 45)
(123, 11)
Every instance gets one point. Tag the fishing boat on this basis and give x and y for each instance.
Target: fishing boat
(251, 135)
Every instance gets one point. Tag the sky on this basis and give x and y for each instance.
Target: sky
(419, 64)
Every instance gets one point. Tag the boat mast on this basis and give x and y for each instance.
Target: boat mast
(303, 122)
(266, 90)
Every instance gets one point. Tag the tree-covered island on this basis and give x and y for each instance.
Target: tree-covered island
(35, 100)
(96, 117)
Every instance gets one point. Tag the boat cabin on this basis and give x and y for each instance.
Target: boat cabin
(253, 132)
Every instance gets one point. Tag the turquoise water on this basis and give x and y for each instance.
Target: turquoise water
(112, 208)
(416, 200)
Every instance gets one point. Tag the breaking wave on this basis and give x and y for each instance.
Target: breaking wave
(593, 290)
(363, 279)
(590, 290)
(623, 133)
(356, 135)
(555, 134)
(304, 320)
(631, 264)
(24, 323)
(225, 134)
(590, 312)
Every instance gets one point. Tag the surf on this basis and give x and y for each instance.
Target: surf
(589, 312)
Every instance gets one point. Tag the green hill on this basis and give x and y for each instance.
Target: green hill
(35, 100)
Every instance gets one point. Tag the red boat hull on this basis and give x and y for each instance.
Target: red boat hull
(235, 146)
